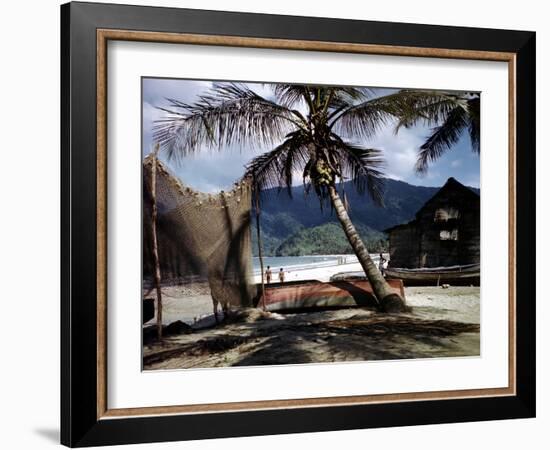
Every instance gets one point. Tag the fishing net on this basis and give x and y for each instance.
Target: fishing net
(201, 237)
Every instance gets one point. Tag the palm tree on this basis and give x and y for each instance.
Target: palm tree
(450, 114)
(310, 127)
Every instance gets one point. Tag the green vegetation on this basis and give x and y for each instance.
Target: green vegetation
(329, 239)
(276, 228)
(283, 216)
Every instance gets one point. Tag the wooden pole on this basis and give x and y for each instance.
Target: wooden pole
(155, 242)
(260, 254)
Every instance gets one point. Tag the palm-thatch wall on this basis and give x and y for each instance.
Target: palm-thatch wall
(445, 231)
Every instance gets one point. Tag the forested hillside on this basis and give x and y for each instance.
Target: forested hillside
(297, 226)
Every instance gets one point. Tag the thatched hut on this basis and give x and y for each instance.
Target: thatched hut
(445, 231)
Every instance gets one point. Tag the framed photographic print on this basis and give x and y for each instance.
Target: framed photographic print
(276, 224)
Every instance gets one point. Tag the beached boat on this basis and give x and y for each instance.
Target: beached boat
(463, 275)
(313, 294)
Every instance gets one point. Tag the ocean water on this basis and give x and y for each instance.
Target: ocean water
(301, 262)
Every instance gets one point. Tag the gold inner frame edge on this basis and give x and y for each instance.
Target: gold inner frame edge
(103, 36)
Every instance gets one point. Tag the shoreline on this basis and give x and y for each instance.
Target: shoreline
(319, 272)
(191, 302)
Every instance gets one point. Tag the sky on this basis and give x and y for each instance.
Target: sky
(212, 169)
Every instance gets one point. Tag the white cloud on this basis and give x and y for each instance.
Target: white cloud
(456, 163)
(211, 170)
(393, 176)
(398, 150)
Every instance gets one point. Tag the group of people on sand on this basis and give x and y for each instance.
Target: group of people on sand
(269, 274)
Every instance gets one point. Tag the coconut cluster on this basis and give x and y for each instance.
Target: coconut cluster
(324, 175)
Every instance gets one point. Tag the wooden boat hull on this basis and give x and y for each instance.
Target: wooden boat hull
(307, 295)
(456, 275)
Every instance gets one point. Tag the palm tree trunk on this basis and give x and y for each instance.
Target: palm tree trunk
(388, 300)
(155, 242)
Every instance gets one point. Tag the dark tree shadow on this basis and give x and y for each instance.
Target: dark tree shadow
(360, 296)
(281, 349)
(235, 264)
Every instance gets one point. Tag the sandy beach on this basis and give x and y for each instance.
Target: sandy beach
(192, 303)
(323, 273)
(443, 323)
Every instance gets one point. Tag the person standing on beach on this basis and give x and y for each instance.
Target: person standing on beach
(281, 275)
(381, 262)
(268, 275)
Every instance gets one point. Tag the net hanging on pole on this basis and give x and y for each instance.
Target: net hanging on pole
(201, 237)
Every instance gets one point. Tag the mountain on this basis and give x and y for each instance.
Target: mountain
(297, 225)
(329, 239)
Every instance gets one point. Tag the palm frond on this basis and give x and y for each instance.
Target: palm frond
(290, 95)
(363, 166)
(427, 107)
(346, 96)
(274, 169)
(474, 125)
(367, 118)
(442, 138)
(228, 114)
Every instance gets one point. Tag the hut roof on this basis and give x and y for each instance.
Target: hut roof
(450, 184)
(401, 225)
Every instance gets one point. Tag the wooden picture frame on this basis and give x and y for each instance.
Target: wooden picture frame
(85, 416)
